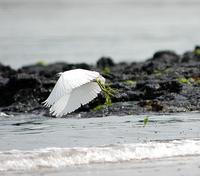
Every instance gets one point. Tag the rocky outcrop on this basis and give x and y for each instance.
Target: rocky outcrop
(165, 83)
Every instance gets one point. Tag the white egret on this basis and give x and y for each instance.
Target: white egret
(73, 89)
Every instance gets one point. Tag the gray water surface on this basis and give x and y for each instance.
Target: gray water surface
(35, 132)
(84, 30)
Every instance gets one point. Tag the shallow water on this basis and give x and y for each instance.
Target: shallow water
(36, 145)
(84, 30)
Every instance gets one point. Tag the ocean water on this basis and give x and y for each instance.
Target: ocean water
(35, 145)
(85, 30)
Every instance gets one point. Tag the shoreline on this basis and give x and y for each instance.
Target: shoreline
(165, 83)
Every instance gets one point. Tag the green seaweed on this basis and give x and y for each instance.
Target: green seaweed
(130, 82)
(146, 120)
(106, 70)
(188, 81)
(184, 80)
(99, 107)
(197, 51)
(160, 72)
(108, 92)
(42, 63)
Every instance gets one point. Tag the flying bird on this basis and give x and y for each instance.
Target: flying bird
(74, 88)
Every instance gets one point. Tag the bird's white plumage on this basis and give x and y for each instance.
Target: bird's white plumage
(73, 89)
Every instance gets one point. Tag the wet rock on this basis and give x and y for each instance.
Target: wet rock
(120, 97)
(165, 83)
(191, 56)
(105, 62)
(160, 61)
(187, 57)
(13, 85)
(6, 71)
(135, 95)
(167, 57)
(152, 105)
(170, 85)
(52, 69)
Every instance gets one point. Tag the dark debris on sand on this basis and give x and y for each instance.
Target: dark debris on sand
(165, 83)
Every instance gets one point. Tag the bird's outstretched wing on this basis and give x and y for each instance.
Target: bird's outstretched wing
(57, 92)
(78, 77)
(67, 82)
(78, 96)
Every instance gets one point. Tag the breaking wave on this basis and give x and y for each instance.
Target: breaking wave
(14, 160)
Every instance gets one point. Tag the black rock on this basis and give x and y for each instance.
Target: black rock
(167, 57)
(165, 83)
(105, 62)
(6, 71)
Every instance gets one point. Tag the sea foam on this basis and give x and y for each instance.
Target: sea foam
(15, 160)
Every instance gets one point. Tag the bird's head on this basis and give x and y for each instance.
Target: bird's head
(101, 79)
